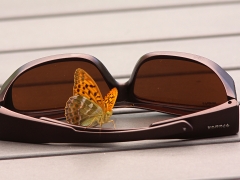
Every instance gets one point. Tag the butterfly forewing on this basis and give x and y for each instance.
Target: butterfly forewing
(81, 111)
(85, 86)
(110, 99)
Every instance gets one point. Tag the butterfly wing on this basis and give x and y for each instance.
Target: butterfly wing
(110, 99)
(87, 107)
(81, 111)
(85, 86)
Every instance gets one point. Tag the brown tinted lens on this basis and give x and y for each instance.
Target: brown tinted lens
(179, 82)
(49, 86)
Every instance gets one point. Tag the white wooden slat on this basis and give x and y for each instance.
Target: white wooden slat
(215, 161)
(11, 8)
(119, 27)
(224, 51)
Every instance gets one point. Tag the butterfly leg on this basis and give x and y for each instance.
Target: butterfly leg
(112, 121)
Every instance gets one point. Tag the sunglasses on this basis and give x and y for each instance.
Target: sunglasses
(197, 90)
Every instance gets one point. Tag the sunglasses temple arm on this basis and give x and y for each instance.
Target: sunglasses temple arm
(22, 128)
(217, 121)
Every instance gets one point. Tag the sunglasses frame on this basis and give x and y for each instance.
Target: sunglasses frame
(220, 120)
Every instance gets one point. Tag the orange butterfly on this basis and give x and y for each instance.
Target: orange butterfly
(87, 107)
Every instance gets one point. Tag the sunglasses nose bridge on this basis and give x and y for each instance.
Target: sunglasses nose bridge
(123, 92)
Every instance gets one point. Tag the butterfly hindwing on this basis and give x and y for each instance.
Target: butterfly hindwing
(81, 111)
(85, 86)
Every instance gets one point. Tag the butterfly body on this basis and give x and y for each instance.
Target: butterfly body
(87, 107)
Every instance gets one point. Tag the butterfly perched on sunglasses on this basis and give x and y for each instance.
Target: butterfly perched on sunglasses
(87, 107)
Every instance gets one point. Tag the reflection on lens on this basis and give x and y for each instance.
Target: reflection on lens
(49, 86)
(179, 82)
